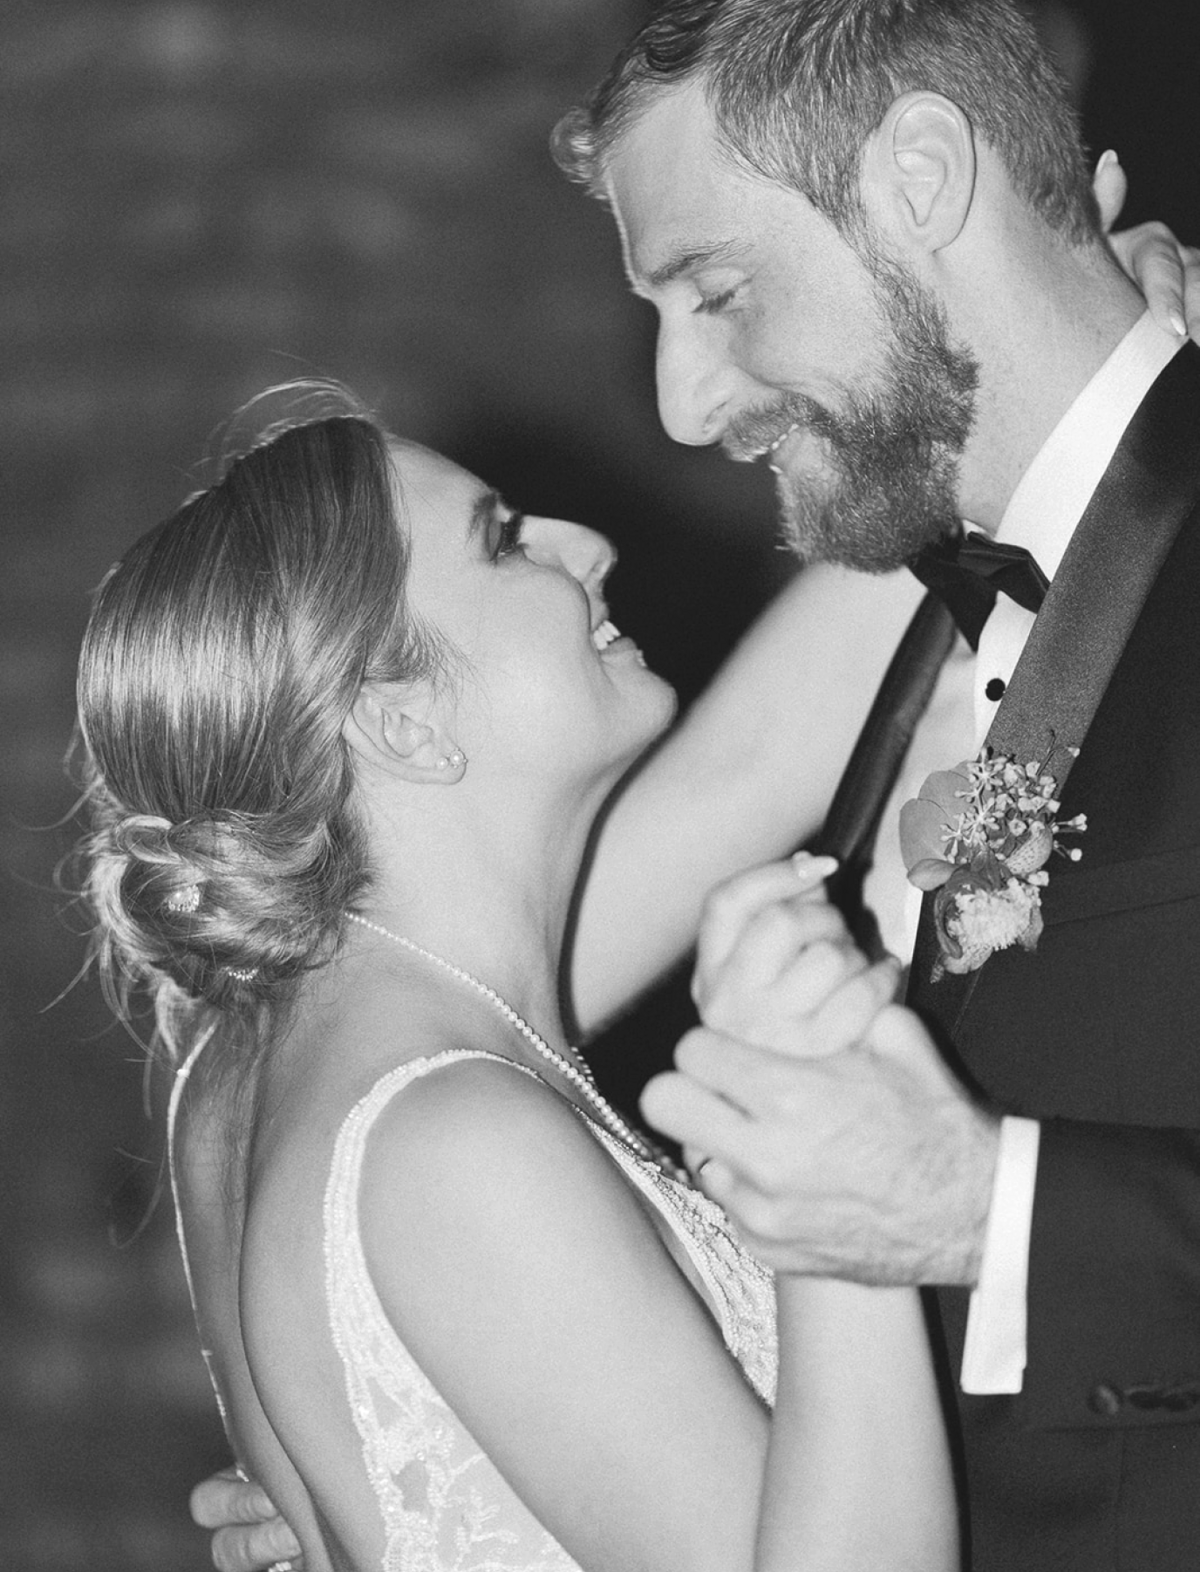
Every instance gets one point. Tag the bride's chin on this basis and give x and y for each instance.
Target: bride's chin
(660, 712)
(651, 734)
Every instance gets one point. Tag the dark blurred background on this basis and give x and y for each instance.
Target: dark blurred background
(199, 198)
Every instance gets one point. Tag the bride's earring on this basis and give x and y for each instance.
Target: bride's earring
(453, 763)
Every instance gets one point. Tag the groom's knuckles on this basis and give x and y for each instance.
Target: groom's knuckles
(746, 1076)
(687, 1111)
(249, 1547)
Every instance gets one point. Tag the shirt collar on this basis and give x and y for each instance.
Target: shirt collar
(1051, 496)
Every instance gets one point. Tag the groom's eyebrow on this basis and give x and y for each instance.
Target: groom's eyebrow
(684, 258)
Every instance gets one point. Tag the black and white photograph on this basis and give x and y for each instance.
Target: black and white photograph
(600, 800)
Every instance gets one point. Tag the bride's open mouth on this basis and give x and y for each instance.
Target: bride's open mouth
(606, 637)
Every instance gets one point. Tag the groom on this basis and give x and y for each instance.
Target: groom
(867, 228)
(868, 232)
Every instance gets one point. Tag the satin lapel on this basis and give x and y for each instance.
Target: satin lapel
(1098, 592)
(852, 822)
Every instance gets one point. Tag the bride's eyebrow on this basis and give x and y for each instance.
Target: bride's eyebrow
(483, 511)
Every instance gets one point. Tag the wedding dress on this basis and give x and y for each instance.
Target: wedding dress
(444, 1506)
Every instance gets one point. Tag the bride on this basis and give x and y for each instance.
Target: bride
(348, 721)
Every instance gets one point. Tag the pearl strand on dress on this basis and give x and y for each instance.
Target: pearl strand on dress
(577, 1076)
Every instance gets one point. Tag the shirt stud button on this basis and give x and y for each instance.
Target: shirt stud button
(995, 689)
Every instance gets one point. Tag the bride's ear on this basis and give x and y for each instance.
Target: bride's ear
(383, 733)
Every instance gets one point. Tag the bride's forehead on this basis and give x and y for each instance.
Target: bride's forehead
(424, 477)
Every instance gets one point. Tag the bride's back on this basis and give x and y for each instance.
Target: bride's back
(250, 1168)
(324, 1403)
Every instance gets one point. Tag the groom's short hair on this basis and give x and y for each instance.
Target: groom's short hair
(797, 86)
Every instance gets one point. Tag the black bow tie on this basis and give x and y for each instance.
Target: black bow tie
(967, 571)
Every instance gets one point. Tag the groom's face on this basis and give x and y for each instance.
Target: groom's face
(778, 340)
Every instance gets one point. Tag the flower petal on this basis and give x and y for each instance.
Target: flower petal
(946, 787)
(930, 873)
(922, 827)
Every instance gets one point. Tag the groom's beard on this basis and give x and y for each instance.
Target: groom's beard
(885, 481)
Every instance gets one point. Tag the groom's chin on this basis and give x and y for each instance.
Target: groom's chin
(861, 547)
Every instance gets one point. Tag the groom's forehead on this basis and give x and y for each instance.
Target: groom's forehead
(673, 188)
(682, 202)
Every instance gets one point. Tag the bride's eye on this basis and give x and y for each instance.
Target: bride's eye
(508, 536)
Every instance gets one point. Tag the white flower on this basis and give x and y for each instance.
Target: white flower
(994, 919)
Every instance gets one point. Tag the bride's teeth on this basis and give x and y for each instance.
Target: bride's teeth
(604, 635)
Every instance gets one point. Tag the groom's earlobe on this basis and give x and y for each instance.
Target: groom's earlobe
(919, 171)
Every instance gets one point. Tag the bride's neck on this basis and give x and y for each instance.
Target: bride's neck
(490, 896)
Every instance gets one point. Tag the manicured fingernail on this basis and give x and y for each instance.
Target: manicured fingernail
(811, 869)
(1176, 320)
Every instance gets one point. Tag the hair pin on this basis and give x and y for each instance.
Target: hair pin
(186, 899)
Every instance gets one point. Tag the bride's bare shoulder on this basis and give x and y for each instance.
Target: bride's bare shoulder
(479, 1148)
(465, 1112)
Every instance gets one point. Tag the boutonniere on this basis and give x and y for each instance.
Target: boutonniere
(981, 835)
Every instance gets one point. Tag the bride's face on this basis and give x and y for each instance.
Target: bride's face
(546, 684)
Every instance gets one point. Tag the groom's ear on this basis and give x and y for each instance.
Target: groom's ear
(918, 172)
(384, 733)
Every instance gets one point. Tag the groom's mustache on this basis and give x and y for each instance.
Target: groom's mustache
(751, 433)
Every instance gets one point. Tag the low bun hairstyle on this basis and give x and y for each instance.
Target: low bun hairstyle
(222, 657)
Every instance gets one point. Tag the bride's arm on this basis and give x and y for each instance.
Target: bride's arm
(524, 1276)
(836, 1470)
(746, 776)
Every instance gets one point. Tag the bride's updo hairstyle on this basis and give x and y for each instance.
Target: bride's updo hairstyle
(222, 657)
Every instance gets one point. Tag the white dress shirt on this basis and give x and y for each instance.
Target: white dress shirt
(1041, 515)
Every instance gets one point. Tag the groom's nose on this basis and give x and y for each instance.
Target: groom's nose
(696, 382)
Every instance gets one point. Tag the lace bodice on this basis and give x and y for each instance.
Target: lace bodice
(445, 1507)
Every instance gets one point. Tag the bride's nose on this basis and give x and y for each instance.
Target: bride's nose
(584, 553)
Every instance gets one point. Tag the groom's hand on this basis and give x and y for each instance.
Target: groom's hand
(249, 1534)
(871, 1164)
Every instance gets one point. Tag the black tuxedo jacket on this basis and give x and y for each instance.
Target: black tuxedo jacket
(1096, 1463)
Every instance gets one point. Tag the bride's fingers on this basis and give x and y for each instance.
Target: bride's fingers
(1162, 269)
(844, 1018)
(775, 1006)
(1109, 187)
(733, 905)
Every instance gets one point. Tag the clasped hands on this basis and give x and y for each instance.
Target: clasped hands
(826, 1121)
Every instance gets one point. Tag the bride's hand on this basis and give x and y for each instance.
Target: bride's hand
(249, 1536)
(777, 968)
(1166, 271)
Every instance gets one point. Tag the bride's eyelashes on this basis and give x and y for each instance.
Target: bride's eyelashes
(508, 536)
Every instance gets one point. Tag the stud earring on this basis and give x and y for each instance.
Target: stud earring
(455, 761)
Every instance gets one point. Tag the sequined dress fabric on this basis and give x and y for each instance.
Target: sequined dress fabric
(444, 1506)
